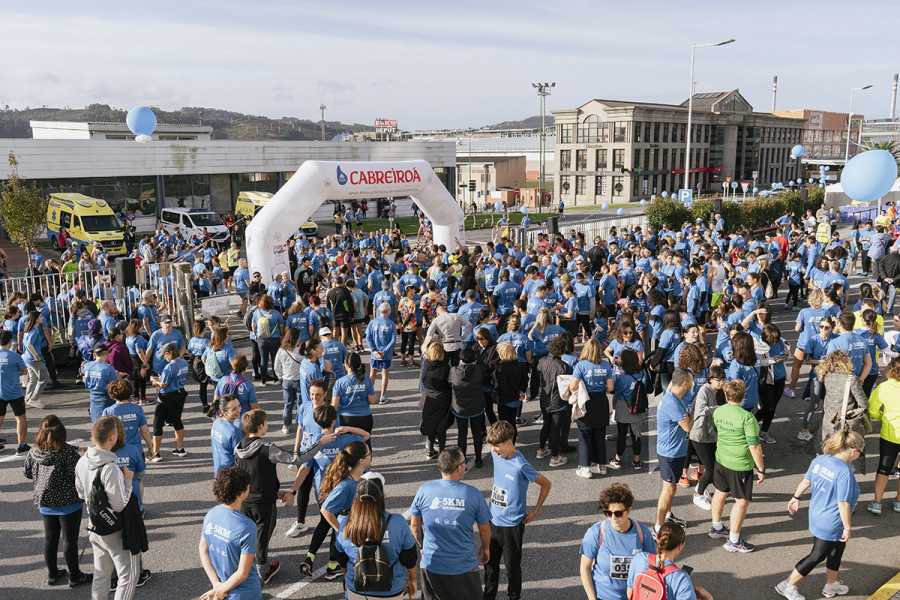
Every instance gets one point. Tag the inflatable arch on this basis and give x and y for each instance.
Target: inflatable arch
(318, 181)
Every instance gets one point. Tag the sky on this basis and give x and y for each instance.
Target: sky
(433, 65)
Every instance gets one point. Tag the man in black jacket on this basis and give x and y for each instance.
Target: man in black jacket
(340, 303)
(260, 458)
(889, 276)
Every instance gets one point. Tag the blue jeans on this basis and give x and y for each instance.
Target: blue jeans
(290, 391)
(267, 350)
(591, 445)
(890, 293)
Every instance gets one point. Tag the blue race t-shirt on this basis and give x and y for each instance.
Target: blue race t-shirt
(340, 499)
(508, 496)
(97, 375)
(832, 482)
(353, 395)
(612, 557)
(133, 458)
(158, 341)
(132, 417)
(324, 457)
(750, 377)
(593, 375)
(449, 509)
(678, 583)
(397, 537)
(225, 436)
(11, 364)
(174, 375)
(229, 534)
(671, 440)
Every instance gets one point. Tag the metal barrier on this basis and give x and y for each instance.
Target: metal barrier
(849, 214)
(58, 292)
(591, 229)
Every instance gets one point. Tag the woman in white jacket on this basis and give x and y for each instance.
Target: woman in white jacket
(287, 369)
(109, 555)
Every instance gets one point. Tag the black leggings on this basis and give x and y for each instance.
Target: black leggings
(140, 383)
(830, 552)
(303, 497)
(509, 414)
(168, 412)
(408, 343)
(462, 429)
(706, 452)
(769, 395)
(624, 429)
(887, 459)
(793, 292)
(552, 429)
(869, 384)
(489, 413)
(68, 526)
(318, 537)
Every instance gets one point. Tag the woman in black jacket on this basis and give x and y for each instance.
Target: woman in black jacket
(510, 379)
(51, 464)
(466, 381)
(488, 359)
(556, 411)
(436, 417)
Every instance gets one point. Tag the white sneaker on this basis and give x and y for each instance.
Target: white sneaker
(789, 393)
(35, 403)
(598, 469)
(296, 529)
(582, 472)
(703, 501)
(789, 591)
(383, 400)
(804, 435)
(835, 589)
(558, 462)
(767, 438)
(542, 453)
(286, 430)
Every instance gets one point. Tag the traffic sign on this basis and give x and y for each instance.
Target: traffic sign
(130, 216)
(728, 179)
(745, 186)
(734, 185)
(686, 195)
(755, 175)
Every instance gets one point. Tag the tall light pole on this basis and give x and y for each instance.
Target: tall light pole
(687, 148)
(322, 107)
(543, 90)
(850, 120)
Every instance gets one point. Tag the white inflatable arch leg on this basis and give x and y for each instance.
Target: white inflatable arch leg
(318, 181)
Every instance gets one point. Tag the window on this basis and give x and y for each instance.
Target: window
(170, 217)
(565, 160)
(565, 133)
(601, 160)
(646, 162)
(646, 132)
(637, 160)
(665, 158)
(587, 131)
(619, 130)
(564, 183)
(637, 131)
(98, 223)
(579, 185)
(65, 219)
(600, 186)
(617, 186)
(807, 135)
(76, 222)
(665, 132)
(580, 160)
(656, 132)
(656, 160)
(618, 159)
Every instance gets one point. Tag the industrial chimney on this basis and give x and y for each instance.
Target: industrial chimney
(775, 90)
(894, 98)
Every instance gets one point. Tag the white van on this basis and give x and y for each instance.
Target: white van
(192, 221)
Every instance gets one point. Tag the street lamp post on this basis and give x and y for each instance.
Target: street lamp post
(687, 149)
(543, 90)
(850, 120)
(322, 107)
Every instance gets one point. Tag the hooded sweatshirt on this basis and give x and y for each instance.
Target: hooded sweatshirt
(259, 459)
(466, 382)
(54, 476)
(103, 461)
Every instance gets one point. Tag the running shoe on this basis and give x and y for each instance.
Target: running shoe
(286, 430)
(542, 453)
(767, 438)
(614, 465)
(895, 474)
(273, 568)
(539, 419)
(897, 506)
(789, 591)
(80, 579)
(559, 461)
(431, 454)
(789, 393)
(520, 421)
(874, 507)
(670, 518)
(22, 450)
(55, 579)
(703, 501)
(306, 567)
(333, 573)
(598, 469)
(719, 533)
(742, 546)
(584, 472)
(296, 529)
(179, 452)
(478, 463)
(694, 476)
(2, 447)
(804, 436)
(383, 400)
(835, 589)
(683, 482)
(143, 578)
(636, 465)
(156, 458)
(35, 403)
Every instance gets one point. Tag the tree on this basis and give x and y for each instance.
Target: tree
(23, 210)
(890, 145)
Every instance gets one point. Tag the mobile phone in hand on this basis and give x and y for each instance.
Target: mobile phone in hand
(687, 569)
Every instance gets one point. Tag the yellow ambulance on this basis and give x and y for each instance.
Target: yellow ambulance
(86, 220)
(250, 203)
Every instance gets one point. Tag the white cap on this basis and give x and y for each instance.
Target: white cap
(324, 331)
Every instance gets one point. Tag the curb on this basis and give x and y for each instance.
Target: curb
(889, 591)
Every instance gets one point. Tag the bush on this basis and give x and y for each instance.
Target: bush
(665, 211)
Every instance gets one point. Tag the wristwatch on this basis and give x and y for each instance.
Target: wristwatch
(294, 492)
(795, 497)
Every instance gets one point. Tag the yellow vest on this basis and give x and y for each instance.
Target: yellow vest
(823, 233)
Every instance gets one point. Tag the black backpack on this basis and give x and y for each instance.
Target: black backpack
(373, 571)
(638, 403)
(104, 520)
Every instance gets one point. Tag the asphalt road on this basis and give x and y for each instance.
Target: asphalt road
(178, 494)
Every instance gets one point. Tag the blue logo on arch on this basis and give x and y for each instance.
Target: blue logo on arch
(341, 176)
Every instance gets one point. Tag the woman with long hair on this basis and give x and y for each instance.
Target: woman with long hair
(310, 369)
(298, 318)
(197, 346)
(226, 431)
(813, 352)
(596, 374)
(628, 375)
(488, 359)
(436, 399)
(658, 307)
(744, 367)
(38, 374)
(510, 380)
(268, 326)
(626, 337)
(519, 341)
(663, 358)
(354, 394)
(368, 519)
(670, 540)
(834, 496)
(542, 332)
(137, 347)
(557, 415)
(836, 373)
(336, 492)
(51, 464)
(287, 369)
(875, 342)
(772, 378)
(884, 406)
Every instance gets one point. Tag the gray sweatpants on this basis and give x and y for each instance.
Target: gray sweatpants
(109, 556)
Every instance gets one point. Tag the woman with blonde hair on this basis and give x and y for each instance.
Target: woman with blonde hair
(836, 374)
(834, 496)
(596, 374)
(436, 399)
(884, 406)
(510, 380)
(807, 326)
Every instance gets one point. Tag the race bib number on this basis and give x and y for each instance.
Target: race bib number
(618, 567)
(500, 498)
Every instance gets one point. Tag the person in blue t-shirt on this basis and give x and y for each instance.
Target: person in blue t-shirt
(367, 512)
(228, 540)
(98, 374)
(131, 415)
(33, 340)
(353, 394)
(166, 334)
(669, 544)
(12, 367)
(509, 510)
(131, 457)
(226, 431)
(674, 420)
(170, 401)
(852, 344)
(443, 513)
(609, 546)
(834, 496)
(745, 367)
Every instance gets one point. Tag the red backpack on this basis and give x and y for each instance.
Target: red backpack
(650, 584)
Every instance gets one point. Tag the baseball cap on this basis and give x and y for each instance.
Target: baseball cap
(101, 349)
(370, 487)
(94, 325)
(165, 319)
(169, 349)
(324, 331)
(698, 221)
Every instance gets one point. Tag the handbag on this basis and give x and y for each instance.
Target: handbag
(855, 419)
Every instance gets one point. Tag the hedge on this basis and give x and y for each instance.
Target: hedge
(757, 213)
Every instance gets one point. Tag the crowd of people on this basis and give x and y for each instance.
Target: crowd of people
(674, 325)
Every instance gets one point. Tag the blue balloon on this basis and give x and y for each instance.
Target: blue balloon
(141, 120)
(620, 212)
(497, 206)
(756, 189)
(605, 205)
(797, 151)
(524, 210)
(810, 179)
(821, 186)
(644, 202)
(791, 183)
(665, 194)
(827, 168)
(869, 175)
(764, 194)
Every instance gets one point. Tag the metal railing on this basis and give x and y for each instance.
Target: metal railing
(590, 229)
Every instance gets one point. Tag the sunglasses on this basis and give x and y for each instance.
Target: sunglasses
(824, 328)
(615, 513)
